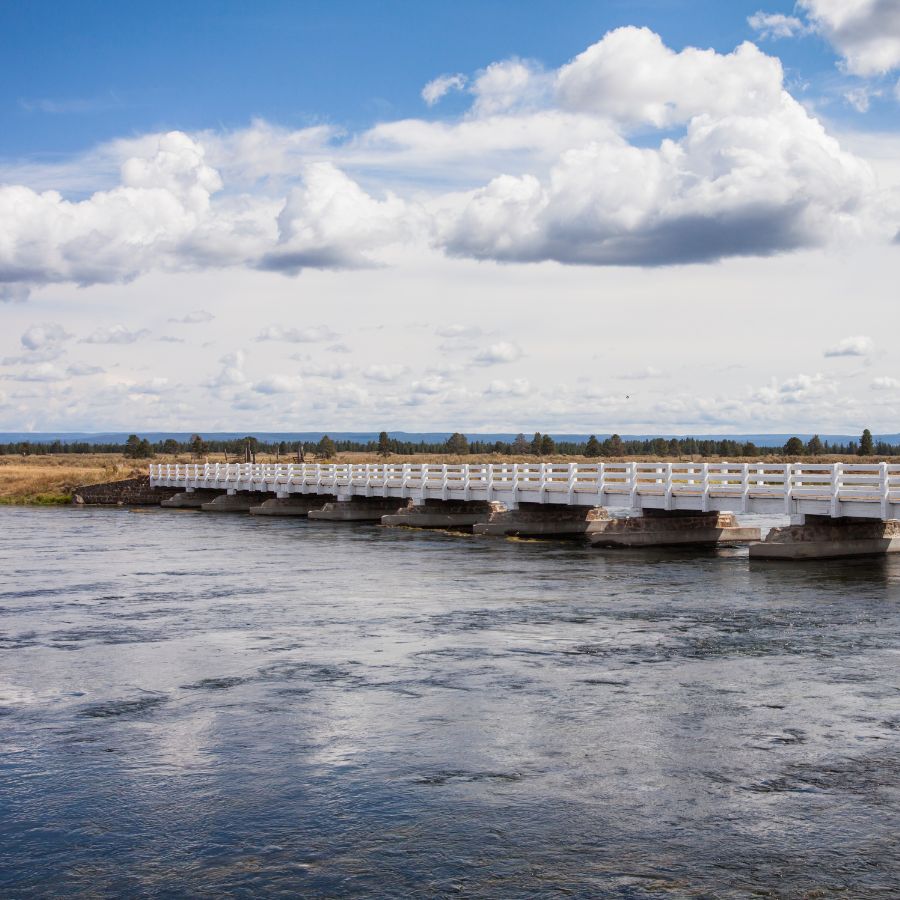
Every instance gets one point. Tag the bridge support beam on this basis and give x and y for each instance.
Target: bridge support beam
(452, 515)
(294, 505)
(821, 537)
(190, 499)
(359, 509)
(237, 502)
(661, 528)
(543, 520)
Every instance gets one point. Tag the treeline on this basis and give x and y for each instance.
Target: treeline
(538, 445)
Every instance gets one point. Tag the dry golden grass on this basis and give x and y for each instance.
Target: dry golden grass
(51, 478)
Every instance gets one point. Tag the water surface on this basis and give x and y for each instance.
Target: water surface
(196, 705)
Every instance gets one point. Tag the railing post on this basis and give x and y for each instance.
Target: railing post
(884, 483)
(837, 473)
(668, 485)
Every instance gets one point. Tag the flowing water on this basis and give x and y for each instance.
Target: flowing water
(199, 705)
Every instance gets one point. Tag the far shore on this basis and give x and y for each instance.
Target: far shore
(51, 479)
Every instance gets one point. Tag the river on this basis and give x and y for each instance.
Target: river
(199, 705)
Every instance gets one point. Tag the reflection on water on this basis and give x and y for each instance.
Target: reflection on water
(197, 704)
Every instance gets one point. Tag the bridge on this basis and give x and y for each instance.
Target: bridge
(679, 502)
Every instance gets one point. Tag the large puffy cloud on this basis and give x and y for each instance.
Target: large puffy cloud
(865, 32)
(734, 185)
(330, 222)
(113, 235)
(632, 77)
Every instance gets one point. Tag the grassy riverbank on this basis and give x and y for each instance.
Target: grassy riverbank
(50, 479)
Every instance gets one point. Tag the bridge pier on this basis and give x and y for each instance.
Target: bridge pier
(293, 505)
(234, 502)
(670, 528)
(822, 537)
(452, 515)
(190, 499)
(359, 509)
(543, 520)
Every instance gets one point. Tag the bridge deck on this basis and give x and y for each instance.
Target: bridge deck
(864, 490)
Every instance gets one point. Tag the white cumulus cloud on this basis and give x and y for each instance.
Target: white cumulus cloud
(306, 335)
(776, 25)
(858, 345)
(49, 334)
(442, 85)
(115, 334)
(865, 32)
(501, 352)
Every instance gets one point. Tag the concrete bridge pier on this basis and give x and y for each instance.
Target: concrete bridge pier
(359, 509)
(543, 520)
(451, 515)
(235, 502)
(672, 528)
(190, 498)
(291, 505)
(823, 537)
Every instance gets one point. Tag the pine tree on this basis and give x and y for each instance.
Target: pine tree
(384, 445)
(325, 449)
(457, 444)
(793, 447)
(615, 446)
(548, 445)
(814, 446)
(592, 447)
(866, 444)
(519, 445)
(536, 443)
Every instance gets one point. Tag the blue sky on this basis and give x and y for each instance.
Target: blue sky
(587, 216)
(75, 74)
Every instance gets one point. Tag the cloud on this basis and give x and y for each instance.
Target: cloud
(440, 86)
(885, 383)
(40, 372)
(385, 372)
(308, 335)
(197, 317)
(278, 384)
(14, 293)
(169, 339)
(866, 33)
(860, 98)
(518, 387)
(38, 337)
(642, 374)
(501, 352)
(776, 25)
(335, 370)
(458, 331)
(232, 372)
(332, 223)
(81, 369)
(859, 345)
(753, 174)
(115, 334)
(508, 85)
(113, 235)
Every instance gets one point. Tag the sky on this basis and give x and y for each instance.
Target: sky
(642, 217)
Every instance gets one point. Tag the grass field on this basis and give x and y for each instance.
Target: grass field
(50, 479)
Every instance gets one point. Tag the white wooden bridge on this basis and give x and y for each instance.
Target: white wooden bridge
(864, 490)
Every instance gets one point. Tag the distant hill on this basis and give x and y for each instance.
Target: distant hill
(292, 437)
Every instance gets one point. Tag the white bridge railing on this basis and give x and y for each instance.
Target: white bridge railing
(870, 490)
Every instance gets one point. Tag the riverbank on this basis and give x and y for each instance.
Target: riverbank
(51, 479)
